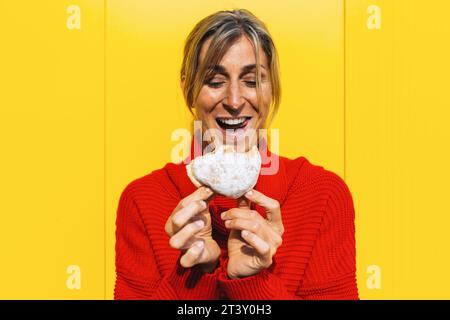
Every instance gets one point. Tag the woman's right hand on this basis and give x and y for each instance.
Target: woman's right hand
(189, 229)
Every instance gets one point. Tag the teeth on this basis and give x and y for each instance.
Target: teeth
(232, 121)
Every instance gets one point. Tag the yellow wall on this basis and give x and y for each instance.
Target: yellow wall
(397, 144)
(74, 132)
(52, 154)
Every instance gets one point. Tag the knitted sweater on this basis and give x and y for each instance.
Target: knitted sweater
(315, 261)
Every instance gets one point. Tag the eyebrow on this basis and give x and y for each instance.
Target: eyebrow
(219, 69)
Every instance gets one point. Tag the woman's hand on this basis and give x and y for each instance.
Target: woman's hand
(189, 229)
(253, 240)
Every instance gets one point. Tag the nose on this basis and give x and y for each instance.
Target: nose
(234, 101)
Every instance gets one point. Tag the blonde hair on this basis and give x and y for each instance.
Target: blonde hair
(224, 28)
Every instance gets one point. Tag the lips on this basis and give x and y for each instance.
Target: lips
(232, 123)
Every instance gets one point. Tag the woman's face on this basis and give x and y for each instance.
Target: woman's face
(228, 101)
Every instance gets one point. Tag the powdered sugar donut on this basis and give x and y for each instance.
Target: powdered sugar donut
(226, 171)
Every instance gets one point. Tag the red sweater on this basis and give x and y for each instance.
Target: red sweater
(315, 261)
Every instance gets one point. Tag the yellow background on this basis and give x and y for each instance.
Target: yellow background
(85, 111)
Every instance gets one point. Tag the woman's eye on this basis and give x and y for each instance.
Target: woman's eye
(215, 84)
(251, 84)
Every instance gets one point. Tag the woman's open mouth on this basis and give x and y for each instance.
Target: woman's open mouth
(233, 123)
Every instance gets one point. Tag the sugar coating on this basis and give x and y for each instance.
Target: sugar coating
(225, 171)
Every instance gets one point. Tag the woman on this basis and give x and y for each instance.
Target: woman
(291, 237)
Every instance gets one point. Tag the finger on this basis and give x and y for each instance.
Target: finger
(192, 255)
(181, 239)
(181, 217)
(272, 206)
(202, 193)
(243, 202)
(256, 242)
(244, 224)
(238, 213)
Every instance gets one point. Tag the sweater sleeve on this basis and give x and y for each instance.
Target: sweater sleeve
(137, 272)
(331, 271)
(261, 286)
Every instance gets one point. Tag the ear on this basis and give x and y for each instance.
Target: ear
(182, 82)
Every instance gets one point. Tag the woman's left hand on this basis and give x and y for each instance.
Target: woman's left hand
(253, 240)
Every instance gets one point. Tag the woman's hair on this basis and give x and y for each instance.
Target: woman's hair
(225, 28)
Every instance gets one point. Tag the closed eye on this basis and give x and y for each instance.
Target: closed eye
(216, 84)
(251, 84)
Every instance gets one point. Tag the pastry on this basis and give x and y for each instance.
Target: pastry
(226, 171)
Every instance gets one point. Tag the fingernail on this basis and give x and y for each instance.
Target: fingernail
(200, 223)
(244, 233)
(249, 193)
(199, 244)
(202, 204)
(222, 215)
(227, 223)
(208, 190)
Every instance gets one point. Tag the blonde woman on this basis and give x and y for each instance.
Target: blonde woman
(291, 237)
